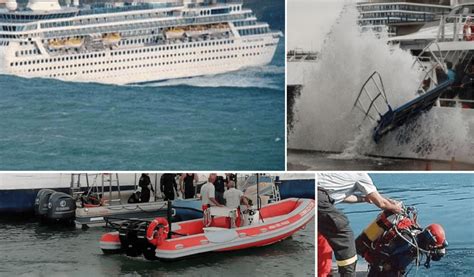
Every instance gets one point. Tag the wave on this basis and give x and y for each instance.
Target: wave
(268, 76)
(326, 121)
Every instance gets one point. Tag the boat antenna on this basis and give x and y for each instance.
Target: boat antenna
(258, 195)
(259, 202)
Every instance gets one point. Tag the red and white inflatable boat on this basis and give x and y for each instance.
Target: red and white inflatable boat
(274, 222)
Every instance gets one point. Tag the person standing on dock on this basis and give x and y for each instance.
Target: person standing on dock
(333, 224)
(168, 185)
(186, 183)
(145, 184)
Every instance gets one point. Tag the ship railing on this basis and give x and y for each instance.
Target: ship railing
(299, 55)
(428, 66)
(137, 7)
(456, 102)
(372, 99)
(457, 21)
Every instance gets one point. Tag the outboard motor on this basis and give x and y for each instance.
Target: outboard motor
(394, 241)
(61, 207)
(250, 216)
(41, 202)
(130, 238)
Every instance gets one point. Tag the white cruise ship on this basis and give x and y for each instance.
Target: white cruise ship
(132, 41)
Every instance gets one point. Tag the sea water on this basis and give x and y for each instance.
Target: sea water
(228, 121)
(30, 249)
(445, 199)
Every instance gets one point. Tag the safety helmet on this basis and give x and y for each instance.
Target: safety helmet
(468, 18)
(436, 236)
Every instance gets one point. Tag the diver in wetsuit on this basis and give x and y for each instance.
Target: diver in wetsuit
(168, 185)
(393, 255)
(145, 185)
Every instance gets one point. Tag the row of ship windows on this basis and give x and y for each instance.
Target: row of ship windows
(128, 52)
(4, 43)
(131, 60)
(175, 47)
(382, 7)
(231, 49)
(26, 43)
(60, 59)
(425, 16)
(27, 52)
(98, 55)
(141, 65)
(104, 19)
(245, 23)
(254, 31)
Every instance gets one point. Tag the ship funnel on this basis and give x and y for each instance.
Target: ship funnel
(43, 5)
(11, 5)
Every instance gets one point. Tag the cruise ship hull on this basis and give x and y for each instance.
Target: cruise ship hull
(147, 64)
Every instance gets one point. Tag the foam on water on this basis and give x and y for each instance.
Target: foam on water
(248, 77)
(326, 120)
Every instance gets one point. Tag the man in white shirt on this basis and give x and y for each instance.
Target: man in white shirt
(208, 193)
(233, 197)
(346, 187)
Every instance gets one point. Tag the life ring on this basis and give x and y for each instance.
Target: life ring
(156, 237)
(468, 31)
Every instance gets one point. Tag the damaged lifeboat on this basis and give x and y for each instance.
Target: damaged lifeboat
(222, 230)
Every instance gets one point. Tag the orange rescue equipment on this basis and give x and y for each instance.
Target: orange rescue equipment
(156, 237)
(324, 257)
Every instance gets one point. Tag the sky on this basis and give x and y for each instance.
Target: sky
(309, 21)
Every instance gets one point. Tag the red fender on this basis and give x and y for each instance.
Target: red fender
(154, 236)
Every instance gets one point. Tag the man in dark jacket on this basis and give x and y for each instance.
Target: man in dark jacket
(168, 185)
(219, 184)
(145, 184)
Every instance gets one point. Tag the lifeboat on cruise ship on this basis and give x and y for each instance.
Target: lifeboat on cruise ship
(221, 230)
(174, 33)
(56, 44)
(196, 31)
(111, 39)
(219, 28)
(73, 42)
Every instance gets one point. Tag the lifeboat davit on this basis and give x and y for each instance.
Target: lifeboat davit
(272, 223)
